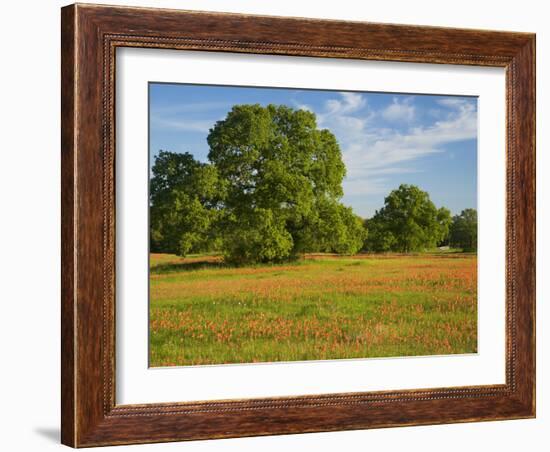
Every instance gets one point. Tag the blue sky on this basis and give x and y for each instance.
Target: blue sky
(386, 139)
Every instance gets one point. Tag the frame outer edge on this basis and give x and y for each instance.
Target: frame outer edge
(68, 228)
(534, 226)
(526, 223)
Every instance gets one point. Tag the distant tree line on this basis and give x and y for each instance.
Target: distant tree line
(272, 190)
(409, 221)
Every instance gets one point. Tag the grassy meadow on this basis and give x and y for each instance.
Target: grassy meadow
(320, 307)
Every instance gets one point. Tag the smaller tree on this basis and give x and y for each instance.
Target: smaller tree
(184, 199)
(463, 231)
(445, 221)
(350, 234)
(409, 221)
(331, 228)
(339, 230)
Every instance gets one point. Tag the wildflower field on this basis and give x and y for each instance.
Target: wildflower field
(321, 307)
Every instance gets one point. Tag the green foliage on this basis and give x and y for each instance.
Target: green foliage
(445, 221)
(257, 236)
(272, 190)
(284, 184)
(463, 231)
(338, 229)
(349, 233)
(275, 155)
(379, 237)
(409, 221)
(184, 196)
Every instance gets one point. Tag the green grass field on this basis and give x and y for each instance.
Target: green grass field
(321, 307)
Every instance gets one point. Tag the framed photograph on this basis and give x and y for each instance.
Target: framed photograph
(280, 225)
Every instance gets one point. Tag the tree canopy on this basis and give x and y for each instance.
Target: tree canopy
(185, 196)
(409, 221)
(270, 191)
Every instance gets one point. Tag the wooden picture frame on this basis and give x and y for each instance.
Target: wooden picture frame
(90, 36)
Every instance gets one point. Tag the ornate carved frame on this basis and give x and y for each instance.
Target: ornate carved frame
(90, 36)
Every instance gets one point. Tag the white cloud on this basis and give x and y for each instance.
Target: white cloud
(300, 106)
(373, 153)
(355, 187)
(399, 110)
(378, 152)
(192, 107)
(348, 103)
(181, 116)
(453, 102)
(188, 125)
(346, 116)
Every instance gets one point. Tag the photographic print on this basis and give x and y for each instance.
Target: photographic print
(298, 224)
